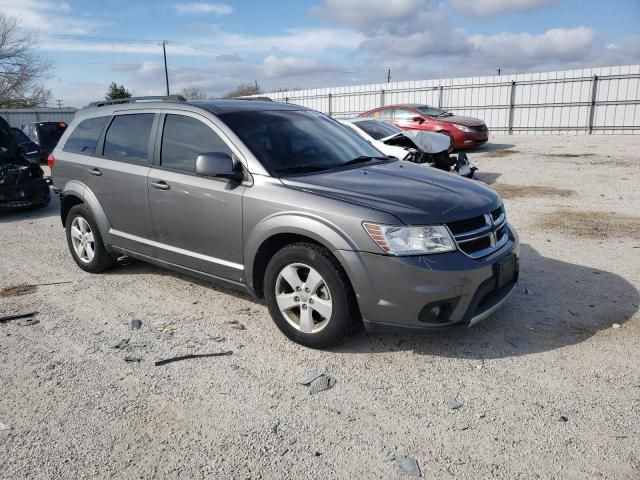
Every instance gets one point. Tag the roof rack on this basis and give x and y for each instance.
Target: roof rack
(168, 98)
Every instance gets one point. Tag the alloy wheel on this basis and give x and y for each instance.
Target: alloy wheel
(303, 298)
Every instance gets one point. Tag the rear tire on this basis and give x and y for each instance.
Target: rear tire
(85, 242)
(309, 296)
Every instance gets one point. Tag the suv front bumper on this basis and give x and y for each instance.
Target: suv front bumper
(422, 293)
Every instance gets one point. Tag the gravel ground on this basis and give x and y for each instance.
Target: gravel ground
(548, 387)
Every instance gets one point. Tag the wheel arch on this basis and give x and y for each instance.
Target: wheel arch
(75, 193)
(276, 232)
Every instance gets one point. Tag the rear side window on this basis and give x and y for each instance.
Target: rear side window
(384, 113)
(85, 136)
(128, 138)
(403, 114)
(184, 138)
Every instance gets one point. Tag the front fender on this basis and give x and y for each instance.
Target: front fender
(312, 226)
(80, 190)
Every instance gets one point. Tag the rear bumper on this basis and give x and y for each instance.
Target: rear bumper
(401, 293)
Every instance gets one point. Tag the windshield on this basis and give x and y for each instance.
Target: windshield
(378, 130)
(298, 141)
(20, 136)
(433, 111)
(8, 145)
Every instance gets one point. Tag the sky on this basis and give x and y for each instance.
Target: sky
(214, 46)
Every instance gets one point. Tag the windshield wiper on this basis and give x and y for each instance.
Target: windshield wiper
(361, 159)
(300, 169)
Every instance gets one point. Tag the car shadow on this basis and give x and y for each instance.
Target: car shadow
(556, 304)
(24, 213)
(131, 266)
(491, 147)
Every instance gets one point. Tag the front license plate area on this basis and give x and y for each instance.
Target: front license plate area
(505, 271)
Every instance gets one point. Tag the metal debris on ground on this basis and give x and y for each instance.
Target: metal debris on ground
(28, 322)
(129, 359)
(122, 344)
(453, 403)
(615, 325)
(17, 317)
(407, 466)
(135, 324)
(195, 355)
(310, 378)
(321, 383)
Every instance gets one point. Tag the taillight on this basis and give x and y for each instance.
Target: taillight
(51, 161)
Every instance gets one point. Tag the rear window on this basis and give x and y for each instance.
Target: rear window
(50, 132)
(377, 129)
(128, 138)
(84, 138)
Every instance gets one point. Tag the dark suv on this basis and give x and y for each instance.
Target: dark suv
(286, 204)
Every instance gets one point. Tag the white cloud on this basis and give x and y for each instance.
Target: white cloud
(214, 8)
(489, 8)
(524, 49)
(295, 40)
(372, 14)
(47, 16)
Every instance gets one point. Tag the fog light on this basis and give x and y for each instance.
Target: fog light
(438, 312)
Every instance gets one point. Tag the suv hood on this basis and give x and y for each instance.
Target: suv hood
(466, 121)
(416, 194)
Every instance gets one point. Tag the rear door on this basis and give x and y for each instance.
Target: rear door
(197, 220)
(117, 175)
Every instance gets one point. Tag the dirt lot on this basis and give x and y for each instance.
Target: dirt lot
(548, 387)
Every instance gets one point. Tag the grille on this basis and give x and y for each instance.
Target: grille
(479, 128)
(480, 236)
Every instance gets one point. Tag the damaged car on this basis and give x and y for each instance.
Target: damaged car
(22, 181)
(428, 148)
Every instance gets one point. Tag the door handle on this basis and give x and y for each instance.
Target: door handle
(161, 185)
(95, 171)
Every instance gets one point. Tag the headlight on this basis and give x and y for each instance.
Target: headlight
(397, 240)
(462, 128)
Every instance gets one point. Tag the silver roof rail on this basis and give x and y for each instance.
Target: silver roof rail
(166, 98)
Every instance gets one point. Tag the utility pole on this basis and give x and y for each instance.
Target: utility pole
(59, 104)
(166, 72)
(389, 75)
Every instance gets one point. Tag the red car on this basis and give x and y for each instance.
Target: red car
(465, 132)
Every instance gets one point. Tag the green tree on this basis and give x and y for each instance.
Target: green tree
(243, 90)
(116, 92)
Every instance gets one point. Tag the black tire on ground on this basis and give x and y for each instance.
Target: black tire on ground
(44, 197)
(345, 316)
(102, 259)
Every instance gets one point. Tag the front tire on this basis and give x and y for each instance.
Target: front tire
(309, 296)
(85, 242)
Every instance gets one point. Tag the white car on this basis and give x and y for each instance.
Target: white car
(411, 145)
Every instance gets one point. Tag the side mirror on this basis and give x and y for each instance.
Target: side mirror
(218, 164)
(418, 119)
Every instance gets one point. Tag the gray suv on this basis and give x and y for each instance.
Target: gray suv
(287, 204)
